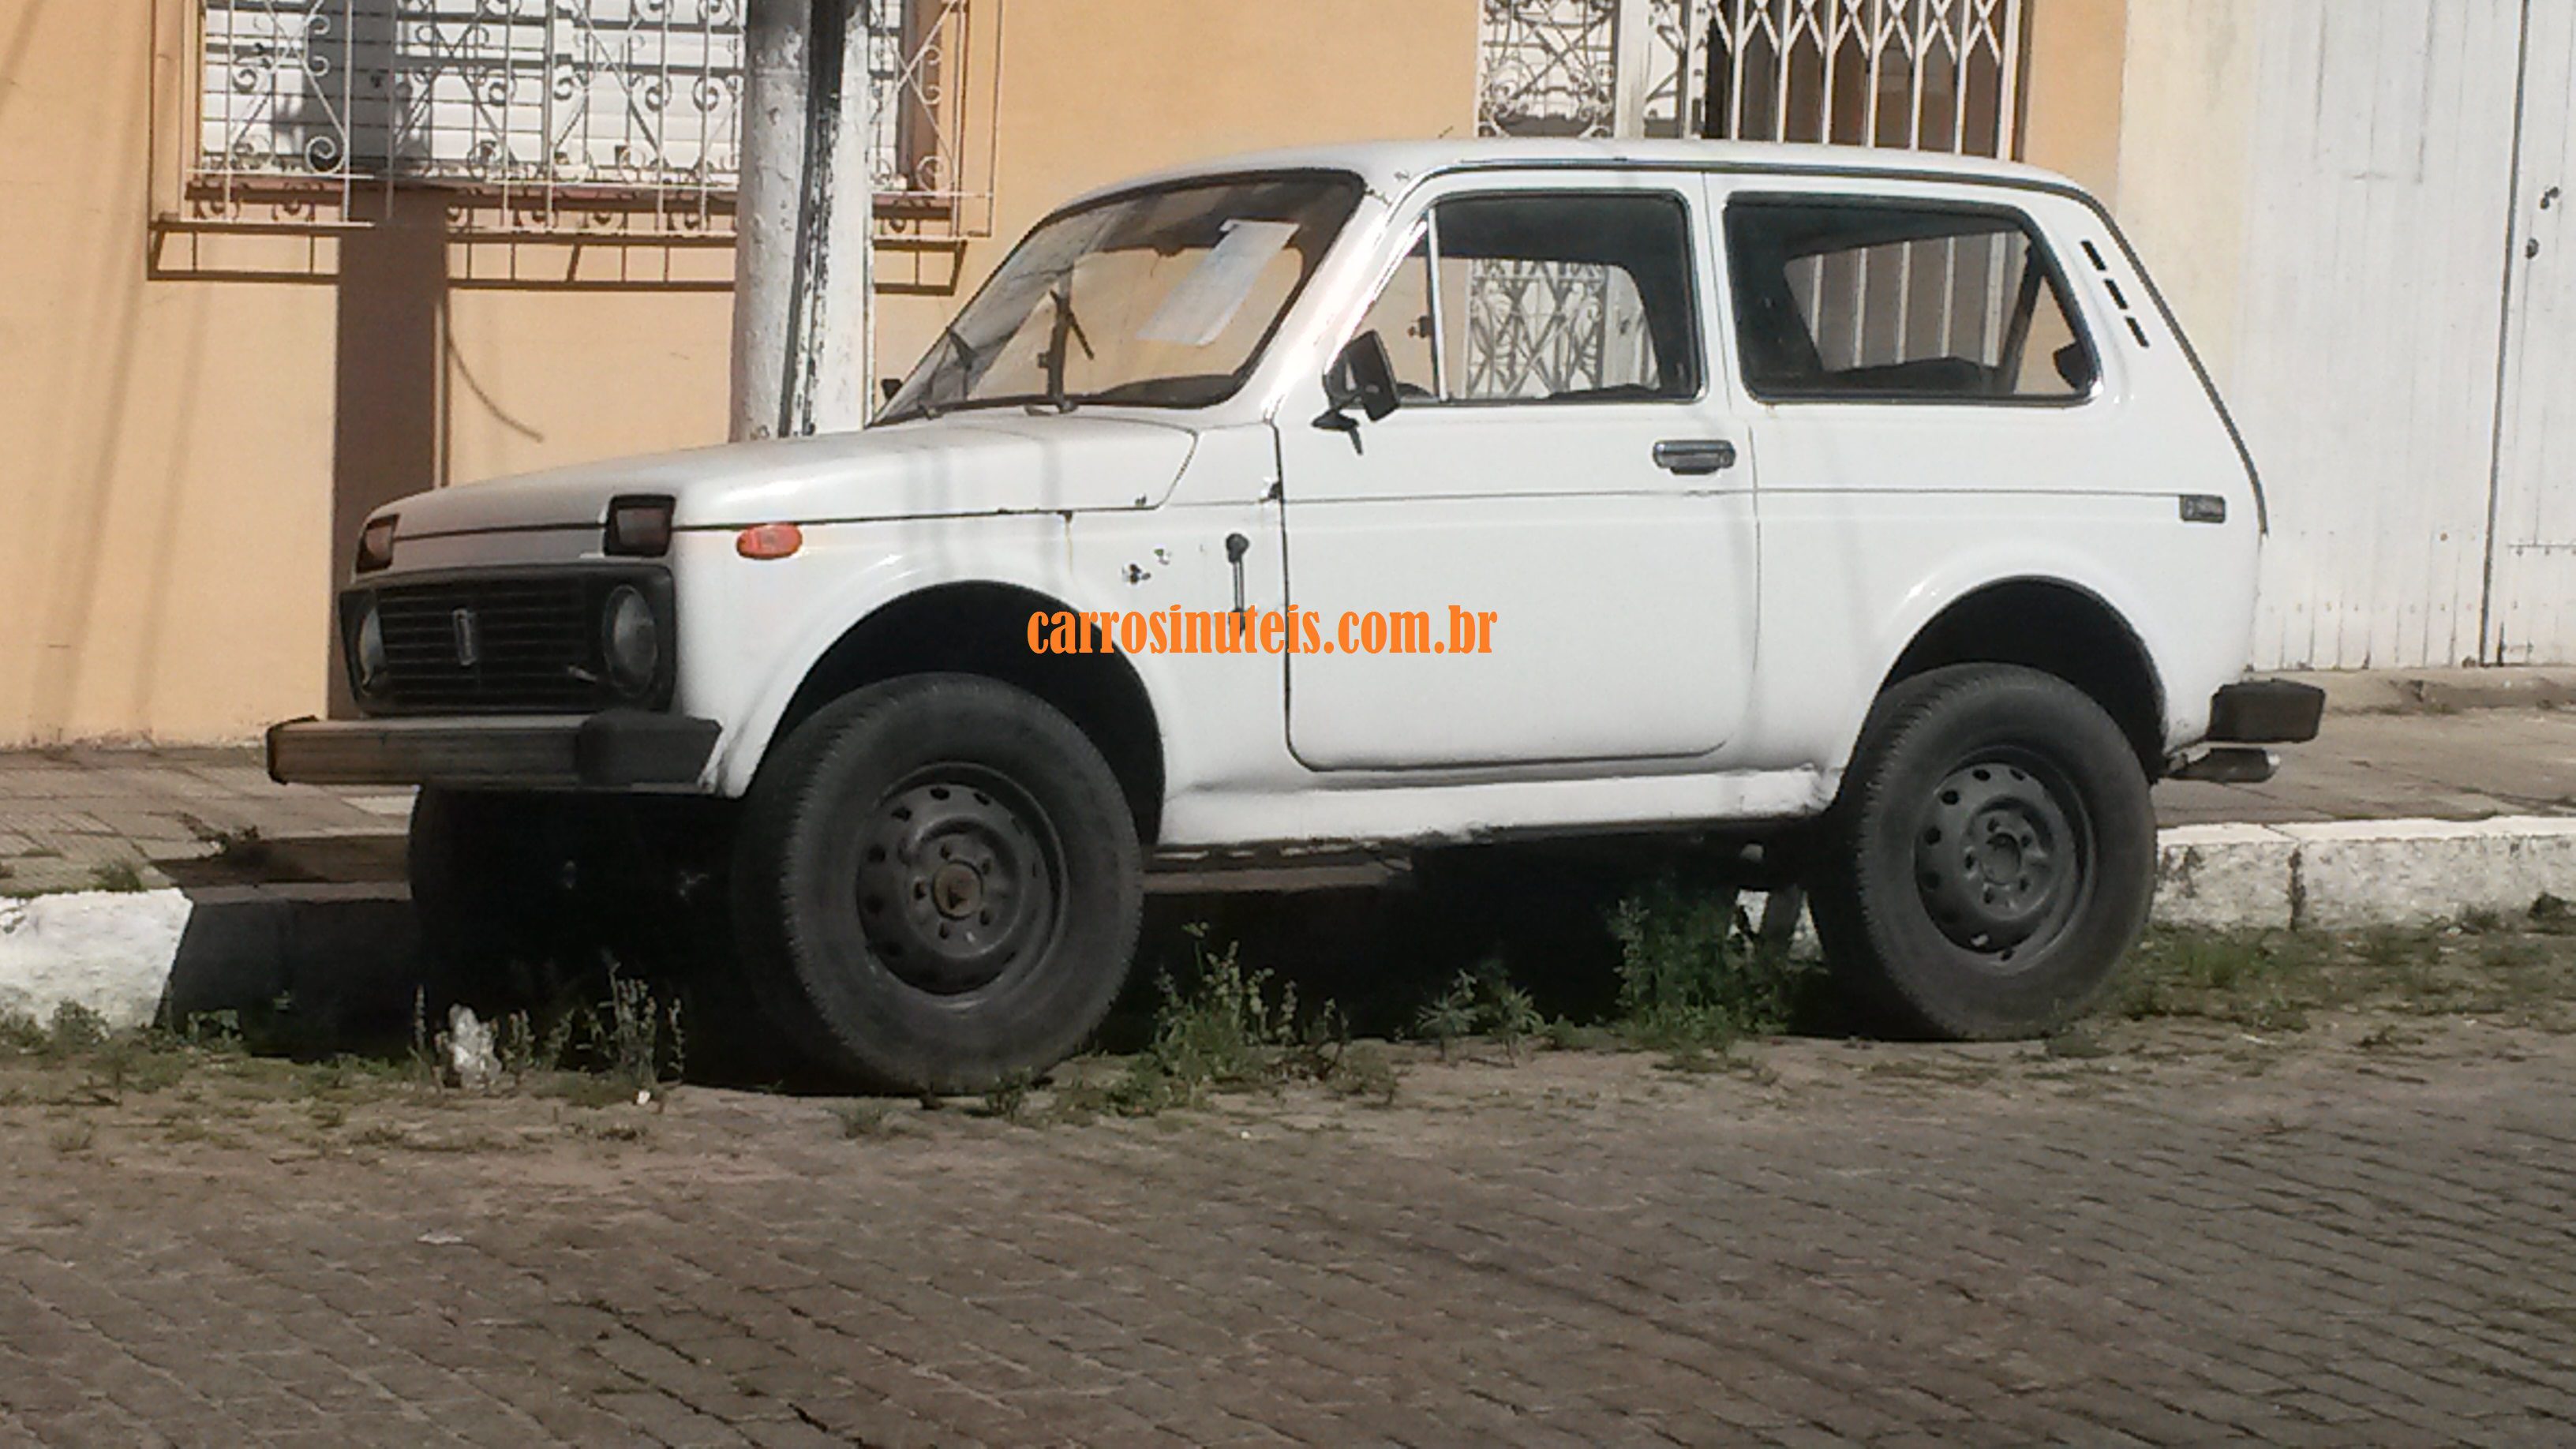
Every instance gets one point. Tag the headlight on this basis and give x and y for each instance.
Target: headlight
(371, 650)
(631, 640)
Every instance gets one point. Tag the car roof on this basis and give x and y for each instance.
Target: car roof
(1390, 167)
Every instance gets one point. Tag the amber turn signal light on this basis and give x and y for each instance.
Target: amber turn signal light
(769, 540)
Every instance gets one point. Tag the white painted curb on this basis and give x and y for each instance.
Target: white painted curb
(2225, 877)
(2348, 874)
(110, 952)
(127, 955)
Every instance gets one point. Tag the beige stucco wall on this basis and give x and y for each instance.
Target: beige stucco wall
(149, 437)
(182, 458)
(2187, 113)
(2071, 95)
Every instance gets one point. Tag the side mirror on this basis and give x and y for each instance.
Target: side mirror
(1363, 376)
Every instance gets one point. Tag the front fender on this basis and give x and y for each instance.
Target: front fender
(752, 632)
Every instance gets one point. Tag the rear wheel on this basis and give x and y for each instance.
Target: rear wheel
(937, 884)
(1990, 858)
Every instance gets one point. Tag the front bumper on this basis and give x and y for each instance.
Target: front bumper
(618, 749)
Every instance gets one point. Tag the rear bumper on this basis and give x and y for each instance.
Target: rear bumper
(619, 749)
(2266, 712)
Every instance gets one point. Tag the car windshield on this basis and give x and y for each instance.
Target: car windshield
(1159, 298)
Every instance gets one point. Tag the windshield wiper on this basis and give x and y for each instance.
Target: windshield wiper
(948, 333)
(1068, 329)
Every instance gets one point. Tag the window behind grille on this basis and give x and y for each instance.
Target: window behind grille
(1854, 299)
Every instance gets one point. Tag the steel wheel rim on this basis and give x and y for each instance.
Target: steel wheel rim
(2003, 855)
(960, 881)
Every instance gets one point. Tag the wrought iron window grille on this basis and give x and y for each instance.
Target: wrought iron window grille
(591, 118)
(1934, 75)
(1931, 75)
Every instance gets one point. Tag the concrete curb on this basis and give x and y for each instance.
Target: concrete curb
(351, 952)
(345, 953)
(2343, 875)
(2443, 691)
(109, 952)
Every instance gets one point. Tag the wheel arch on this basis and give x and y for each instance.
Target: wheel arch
(2058, 628)
(981, 628)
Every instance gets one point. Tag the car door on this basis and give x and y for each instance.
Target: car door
(1546, 553)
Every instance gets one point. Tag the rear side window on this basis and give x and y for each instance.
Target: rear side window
(1857, 300)
(1546, 297)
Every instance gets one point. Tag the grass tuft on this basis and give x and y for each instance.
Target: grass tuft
(1693, 974)
(867, 1117)
(1482, 999)
(123, 877)
(1225, 1027)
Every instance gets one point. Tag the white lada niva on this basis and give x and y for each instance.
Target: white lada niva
(1870, 507)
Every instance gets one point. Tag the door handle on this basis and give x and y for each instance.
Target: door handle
(1694, 457)
(1236, 546)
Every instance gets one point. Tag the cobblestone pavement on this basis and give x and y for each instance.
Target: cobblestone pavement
(2359, 1236)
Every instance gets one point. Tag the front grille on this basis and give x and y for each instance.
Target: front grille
(532, 644)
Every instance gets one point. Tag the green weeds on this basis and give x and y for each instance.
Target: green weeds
(628, 1042)
(123, 877)
(2260, 981)
(2485, 965)
(1221, 1026)
(1694, 974)
(1008, 1099)
(200, 1078)
(1486, 1000)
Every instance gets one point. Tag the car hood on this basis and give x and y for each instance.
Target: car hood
(966, 463)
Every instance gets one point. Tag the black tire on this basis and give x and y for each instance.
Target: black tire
(1990, 858)
(937, 885)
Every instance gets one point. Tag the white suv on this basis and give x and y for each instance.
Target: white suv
(1374, 497)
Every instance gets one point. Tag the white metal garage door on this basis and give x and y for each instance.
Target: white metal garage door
(2404, 369)
(2531, 615)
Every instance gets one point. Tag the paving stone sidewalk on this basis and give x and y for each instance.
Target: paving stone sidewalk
(74, 819)
(83, 819)
(2359, 1241)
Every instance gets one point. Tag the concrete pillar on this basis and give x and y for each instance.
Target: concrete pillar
(1632, 49)
(804, 217)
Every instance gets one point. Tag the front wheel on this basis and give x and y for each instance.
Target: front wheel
(1991, 855)
(937, 885)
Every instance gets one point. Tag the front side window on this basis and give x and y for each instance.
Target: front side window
(1155, 299)
(1843, 300)
(1401, 317)
(1546, 297)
